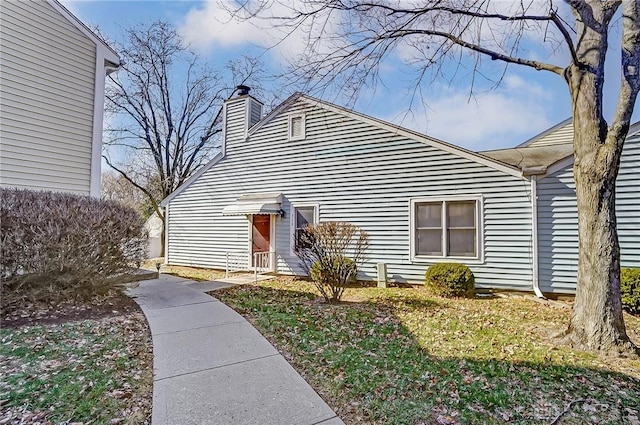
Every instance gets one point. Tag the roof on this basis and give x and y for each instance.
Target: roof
(532, 159)
(110, 55)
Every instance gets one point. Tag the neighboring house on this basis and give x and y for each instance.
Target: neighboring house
(52, 98)
(421, 200)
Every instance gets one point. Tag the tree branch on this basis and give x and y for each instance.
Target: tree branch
(540, 66)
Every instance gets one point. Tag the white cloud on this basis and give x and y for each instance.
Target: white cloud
(213, 23)
(220, 23)
(491, 120)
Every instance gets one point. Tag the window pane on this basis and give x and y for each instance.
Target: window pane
(462, 242)
(429, 242)
(304, 217)
(297, 127)
(429, 214)
(461, 214)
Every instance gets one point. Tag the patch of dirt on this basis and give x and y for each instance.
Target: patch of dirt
(115, 303)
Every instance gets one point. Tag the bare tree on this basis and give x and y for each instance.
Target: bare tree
(348, 40)
(114, 187)
(165, 107)
(331, 253)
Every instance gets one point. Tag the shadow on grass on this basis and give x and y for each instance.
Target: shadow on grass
(389, 360)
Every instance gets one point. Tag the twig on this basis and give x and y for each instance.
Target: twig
(566, 410)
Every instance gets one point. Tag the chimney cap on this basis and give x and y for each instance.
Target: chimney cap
(243, 90)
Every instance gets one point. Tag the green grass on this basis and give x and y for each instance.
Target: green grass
(93, 370)
(402, 356)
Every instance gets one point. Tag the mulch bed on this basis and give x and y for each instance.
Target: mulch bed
(114, 303)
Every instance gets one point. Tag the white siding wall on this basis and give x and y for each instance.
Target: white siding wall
(628, 203)
(46, 106)
(558, 221)
(354, 172)
(561, 135)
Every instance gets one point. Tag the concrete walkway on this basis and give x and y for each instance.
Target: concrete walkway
(212, 367)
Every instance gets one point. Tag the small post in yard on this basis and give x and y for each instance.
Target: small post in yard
(158, 265)
(382, 275)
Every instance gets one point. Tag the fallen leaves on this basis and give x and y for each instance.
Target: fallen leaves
(398, 356)
(91, 371)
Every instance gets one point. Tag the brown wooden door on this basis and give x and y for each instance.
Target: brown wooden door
(261, 232)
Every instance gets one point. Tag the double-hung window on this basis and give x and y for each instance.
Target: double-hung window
(302, 217)
(446, 227)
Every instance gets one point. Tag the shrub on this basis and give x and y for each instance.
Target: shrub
(450, 280)
(57, 245)
(630, 289)
(345, 268)
(331, 252)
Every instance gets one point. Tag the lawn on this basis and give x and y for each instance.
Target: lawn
(96, 370)
(402, 356)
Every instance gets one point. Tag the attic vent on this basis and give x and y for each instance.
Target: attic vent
(296, 127)
(255, 112)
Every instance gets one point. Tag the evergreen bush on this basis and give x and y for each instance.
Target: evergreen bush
(630, 289)
(450, 280)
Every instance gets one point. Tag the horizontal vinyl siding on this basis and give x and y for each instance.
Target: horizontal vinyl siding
(561, 135)
(628, 203)
(558, 221)
(357, 173)
(557, 232)
(47, 102)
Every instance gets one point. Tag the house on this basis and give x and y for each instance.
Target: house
(52, 100)
(556, 209)
(421, 200)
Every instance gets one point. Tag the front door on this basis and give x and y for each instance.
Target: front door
(260, 236)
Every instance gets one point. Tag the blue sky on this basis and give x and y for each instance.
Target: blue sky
(527, 102)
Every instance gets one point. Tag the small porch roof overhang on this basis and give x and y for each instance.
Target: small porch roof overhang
(262, 203)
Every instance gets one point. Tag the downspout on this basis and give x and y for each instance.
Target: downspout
(534, 231)
(166, 234)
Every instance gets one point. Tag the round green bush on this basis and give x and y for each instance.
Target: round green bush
(450, 280)
(335, 271)
(630, 289)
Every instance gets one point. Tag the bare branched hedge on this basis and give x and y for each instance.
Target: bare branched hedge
(57, 245)
(331, 253)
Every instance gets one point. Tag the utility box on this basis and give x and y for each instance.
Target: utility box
(382, 275)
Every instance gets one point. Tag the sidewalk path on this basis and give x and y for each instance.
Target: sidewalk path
(212, 367)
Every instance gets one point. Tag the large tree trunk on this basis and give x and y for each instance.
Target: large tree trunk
(597, 322)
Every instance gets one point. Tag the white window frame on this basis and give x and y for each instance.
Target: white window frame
(290, 127)
(478, 258)
(292, 221)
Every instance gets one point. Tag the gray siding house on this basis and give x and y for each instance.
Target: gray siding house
(421, 200)
(51, 108)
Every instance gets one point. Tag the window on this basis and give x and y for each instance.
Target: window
(445, 228)
(302, 216)
(297, 127)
